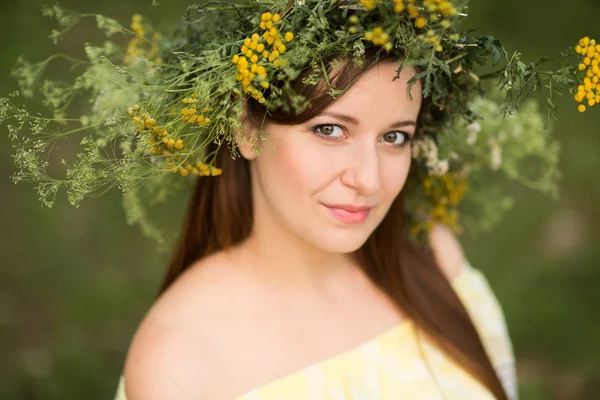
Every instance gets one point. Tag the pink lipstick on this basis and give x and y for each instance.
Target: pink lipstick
(348, 213)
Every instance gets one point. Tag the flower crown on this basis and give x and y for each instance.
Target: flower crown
(158, 102)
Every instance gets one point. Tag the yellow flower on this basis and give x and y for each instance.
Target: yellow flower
(369, 4)
(289, 36)
(276, 18)
(591, 51)
(413, 11)
(420, 22)
(447, 9)
(149, 122)
(581, 108)
(377, 36)
(398, 6)
(266, 16)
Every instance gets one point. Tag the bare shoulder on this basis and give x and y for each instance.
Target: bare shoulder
(447, 250)
(171, 355)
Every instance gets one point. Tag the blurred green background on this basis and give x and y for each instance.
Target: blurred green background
(75, 282)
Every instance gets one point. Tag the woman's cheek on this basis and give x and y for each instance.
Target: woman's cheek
(302, 164)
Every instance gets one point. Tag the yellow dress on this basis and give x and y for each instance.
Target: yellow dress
(401, 363)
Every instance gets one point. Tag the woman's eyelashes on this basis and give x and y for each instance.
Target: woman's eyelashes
(337, 132)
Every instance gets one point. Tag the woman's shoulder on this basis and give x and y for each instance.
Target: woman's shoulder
(480, 301)
(172, 353)
(470, 284)
(447, 251)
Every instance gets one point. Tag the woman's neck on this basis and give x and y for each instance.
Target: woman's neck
(289, 261)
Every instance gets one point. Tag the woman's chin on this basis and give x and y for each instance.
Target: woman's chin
(343, 242)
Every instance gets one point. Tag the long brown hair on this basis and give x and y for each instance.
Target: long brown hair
(220, 215)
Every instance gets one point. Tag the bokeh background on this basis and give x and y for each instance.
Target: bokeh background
(75, 282)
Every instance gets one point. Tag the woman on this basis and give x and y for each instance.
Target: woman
(294, 275)
(297, 275)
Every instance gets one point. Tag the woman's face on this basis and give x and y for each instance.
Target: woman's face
(331, 180)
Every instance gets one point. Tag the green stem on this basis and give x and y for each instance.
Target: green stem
(325, 75)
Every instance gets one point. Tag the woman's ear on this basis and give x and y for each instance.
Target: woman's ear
(246, 136)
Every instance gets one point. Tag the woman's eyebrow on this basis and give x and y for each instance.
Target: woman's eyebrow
(354, 121)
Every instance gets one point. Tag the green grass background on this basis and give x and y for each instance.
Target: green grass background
(74, 283)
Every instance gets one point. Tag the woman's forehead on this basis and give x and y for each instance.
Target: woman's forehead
(377, 94)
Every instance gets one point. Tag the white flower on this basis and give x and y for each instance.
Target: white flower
(472, 132)
(440, 168)
(496, 157)
(426, 150)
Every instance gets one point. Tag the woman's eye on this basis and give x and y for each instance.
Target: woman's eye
(329, 130)
(396, 138)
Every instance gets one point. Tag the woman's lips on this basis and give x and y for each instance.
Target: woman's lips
(349, 214)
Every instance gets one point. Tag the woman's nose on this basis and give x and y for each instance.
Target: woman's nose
(363, 170)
